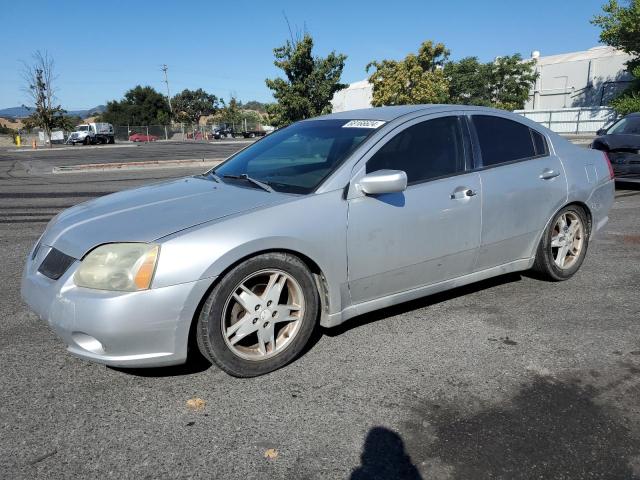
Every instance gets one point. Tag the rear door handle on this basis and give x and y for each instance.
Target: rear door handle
(548, 174)
(462, 192)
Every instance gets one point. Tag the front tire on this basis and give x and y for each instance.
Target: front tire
(563, 245)
(260, 316)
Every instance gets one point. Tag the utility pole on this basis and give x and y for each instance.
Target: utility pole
(166, 80)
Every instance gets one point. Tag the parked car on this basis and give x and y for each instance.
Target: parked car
(253, 133)
(223, 132)
(318, 222)
(621, 142)
(92, 133)
(139, 137)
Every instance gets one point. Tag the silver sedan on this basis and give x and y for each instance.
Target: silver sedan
(316, 223)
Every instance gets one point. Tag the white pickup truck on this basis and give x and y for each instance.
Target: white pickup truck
(92, 133)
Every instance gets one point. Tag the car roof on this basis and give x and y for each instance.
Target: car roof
(388, 114)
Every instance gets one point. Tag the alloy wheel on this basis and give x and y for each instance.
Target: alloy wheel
(263, 314)
(567, 240)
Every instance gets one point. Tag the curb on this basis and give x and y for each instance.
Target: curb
(104, 167)
(62, 149)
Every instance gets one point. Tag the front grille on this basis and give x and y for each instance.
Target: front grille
(55, 264)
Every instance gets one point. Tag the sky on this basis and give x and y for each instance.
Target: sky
(101, 49)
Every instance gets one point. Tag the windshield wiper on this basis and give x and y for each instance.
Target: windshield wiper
(210, 176)
(244, 176)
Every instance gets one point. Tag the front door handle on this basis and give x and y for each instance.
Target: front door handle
(462, 192)
(548, 174)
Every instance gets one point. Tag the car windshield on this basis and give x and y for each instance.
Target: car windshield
(628, 125)
(82, 128)
(298, 158)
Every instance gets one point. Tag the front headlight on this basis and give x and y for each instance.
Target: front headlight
(125, 267)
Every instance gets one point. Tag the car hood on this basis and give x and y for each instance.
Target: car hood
(148, 213)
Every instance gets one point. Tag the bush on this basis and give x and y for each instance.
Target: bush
(6, 130)
(629, 100)
(626, 103)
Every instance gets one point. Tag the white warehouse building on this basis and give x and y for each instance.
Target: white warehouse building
(580, 79)
(568, 95)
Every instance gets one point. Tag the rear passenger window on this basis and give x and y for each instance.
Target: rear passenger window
(424, 151)
(539, 143)
(502, 140)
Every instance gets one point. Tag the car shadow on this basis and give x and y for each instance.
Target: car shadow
(422, 302)
(550, 428)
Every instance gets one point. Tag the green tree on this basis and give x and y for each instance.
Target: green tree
(309, 85)
(416, 79)
(469, 82)
(39, 77)
(255, 105)
(231, 114)
(238, 117)
(621, 28)
(190, 105)
(140, 106)
(511, 79)
(504, 83)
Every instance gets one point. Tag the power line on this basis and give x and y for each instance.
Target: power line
(164, 68)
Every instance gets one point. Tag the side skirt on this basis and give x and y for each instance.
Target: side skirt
(371, 305)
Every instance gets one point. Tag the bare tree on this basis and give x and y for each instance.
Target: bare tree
(39, 77)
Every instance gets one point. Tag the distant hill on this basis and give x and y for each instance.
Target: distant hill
(15, 112)
(22, 112)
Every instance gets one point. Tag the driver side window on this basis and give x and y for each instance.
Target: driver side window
(425, 151)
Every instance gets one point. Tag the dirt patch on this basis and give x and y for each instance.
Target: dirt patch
(631, 239)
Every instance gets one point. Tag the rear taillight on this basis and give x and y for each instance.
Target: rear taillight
(612, 175)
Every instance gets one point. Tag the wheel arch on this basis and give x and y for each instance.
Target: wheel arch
(311, 264)
(577, 203)
(587, 211)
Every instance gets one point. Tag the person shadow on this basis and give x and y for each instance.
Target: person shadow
(384, 457)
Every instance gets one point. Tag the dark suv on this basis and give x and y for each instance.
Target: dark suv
(621, 142)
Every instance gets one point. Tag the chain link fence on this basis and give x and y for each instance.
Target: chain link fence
(179, 132)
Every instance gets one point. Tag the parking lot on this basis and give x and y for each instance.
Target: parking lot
(43, 159)
(508, 378)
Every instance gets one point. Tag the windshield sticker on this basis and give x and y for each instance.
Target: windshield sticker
(363, 124)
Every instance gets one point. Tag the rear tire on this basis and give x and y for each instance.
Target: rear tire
(563, 245)
(272, 328)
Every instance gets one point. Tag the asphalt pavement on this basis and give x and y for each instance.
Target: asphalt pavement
(42, 160)
(508, 378)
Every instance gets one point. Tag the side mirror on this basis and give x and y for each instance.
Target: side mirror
(601, 132)
(383, 181)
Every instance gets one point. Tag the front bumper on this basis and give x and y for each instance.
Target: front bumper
(149, 328)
